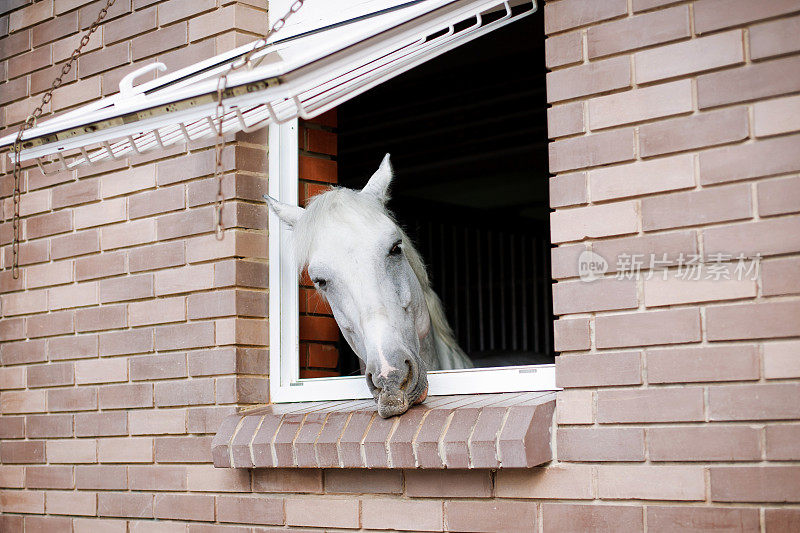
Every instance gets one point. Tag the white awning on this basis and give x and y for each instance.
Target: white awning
(300, 76)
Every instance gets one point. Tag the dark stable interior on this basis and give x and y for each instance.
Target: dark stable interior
(468, 136)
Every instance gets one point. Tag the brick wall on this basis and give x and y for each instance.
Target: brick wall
(132, 331)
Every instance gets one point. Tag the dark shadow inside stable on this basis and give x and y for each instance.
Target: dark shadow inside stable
(468, 136)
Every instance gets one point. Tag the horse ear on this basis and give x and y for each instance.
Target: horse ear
(378, 184)
(290, 214)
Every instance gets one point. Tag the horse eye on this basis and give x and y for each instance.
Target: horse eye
(321, 283)
(395, 250)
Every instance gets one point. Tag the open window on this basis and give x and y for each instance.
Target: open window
(467, 133)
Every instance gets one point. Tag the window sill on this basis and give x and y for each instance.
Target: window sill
(509, 430)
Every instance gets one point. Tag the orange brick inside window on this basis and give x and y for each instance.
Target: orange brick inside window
(319, 334)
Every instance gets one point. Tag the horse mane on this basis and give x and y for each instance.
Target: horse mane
(342, 204)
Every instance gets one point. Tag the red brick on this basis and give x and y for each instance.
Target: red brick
(564, 49)
(779, 197)
(50, 375)
(592, 78)
(775, 37)
(600, 444)
(750, 82)
(598, 370)
(719, 14)
(131, 505)
(650, 405)
(696, 131)
(666, 519)
(250, 510)
(495, 515)
(418, 515)
(598, 518)
(573, 13)
(706, 443)
(594, 221)
(717, 363)
(755, 484)
(643, 329)
(754, 402)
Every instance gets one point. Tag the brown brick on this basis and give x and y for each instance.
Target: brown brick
(688, 57)
(23, 401)
(780, 276)
(101, 477)
(185, 279)
(564, 49)
(158, 201)
(767, 237)
(718, 363)
(125, 450)
(73, 295)
(22, 501)
(755, 484)
(250, 510)
(132, 505)
(781, 361)
(680, 287)
(753, 321)
(128, 234)
(707, 443)
(643, 177)
(105, 59)
(30, 351)
(126, 288)
(599, 370)
(592, 78)
(641, 104)
(148, 367)
(360, 482)
(163, 421)
(73, 399)
(49, 375)
(191, 449)
(101, 424)
(49, 224)
(719, 14)
(774, 38)
(75, 193)
(696, 131)
(665, 519)
(43, 426)
(12, 378)
(28, 62)
(601, 295)
(159, 41)
(193, 335)
(100, 318)
(754, 402)
(156, 256)
(563, 481)
(402, 514)
(14, 44)
(779, 197)
(130, 25)
(194, 392)
(77, 347)
(776, 116)
(594, 221)
(691, 208)
(28, 451)
(650, 405)
(568, 189)
(72, 451)
(49, 274)
(98, 266)
(124, 342)
(126, 396)
(238, 16)
(608, 518)
(639, 31)
(497, 515)
(651, 482)
(23, 303)
(157, 311)
(643, 329)
(82, 242)
(101, 371)
(573, 13)
(753, 81)
(782, 442)
(600, 444)
(12, 329)
(128, 180)
(326, 512)
(72, 503)
(49, 477)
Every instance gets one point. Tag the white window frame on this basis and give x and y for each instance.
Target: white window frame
(284, 311)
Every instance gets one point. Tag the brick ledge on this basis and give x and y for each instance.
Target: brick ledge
(509, 430)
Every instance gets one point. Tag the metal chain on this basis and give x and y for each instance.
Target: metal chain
(30, 121)
(222, 85)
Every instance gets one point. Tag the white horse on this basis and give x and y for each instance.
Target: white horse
(363, 263)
